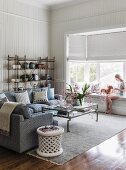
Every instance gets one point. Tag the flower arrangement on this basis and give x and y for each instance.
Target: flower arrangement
(73, 94)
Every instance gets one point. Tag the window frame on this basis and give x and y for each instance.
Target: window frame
(97, 70)
(88, 34)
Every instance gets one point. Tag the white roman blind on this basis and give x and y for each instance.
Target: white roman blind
(76, 47)
(109, 46)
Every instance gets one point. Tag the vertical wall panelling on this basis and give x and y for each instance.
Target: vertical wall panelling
(1, 63)
(24, 30)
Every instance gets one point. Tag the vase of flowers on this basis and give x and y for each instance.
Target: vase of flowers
(73, 95)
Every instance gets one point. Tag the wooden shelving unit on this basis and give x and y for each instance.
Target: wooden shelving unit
(43, 70)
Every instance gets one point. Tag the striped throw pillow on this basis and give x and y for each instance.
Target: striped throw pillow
(22, 97)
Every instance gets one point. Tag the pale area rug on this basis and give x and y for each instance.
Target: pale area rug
(84, 134)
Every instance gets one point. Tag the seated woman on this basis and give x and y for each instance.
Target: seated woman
(115, 93)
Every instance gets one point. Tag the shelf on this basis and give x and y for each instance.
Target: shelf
(35, 60)
(32, 81)
(46, 68)
(33, 69)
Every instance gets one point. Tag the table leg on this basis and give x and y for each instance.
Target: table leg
(68, 125)
(97, 114)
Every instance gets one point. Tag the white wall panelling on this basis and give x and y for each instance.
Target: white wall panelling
(25, 30)
(88, 16)
(59, 87)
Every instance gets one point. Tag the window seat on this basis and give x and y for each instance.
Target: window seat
(118, 106)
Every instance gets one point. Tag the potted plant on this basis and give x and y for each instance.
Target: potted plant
(74, 95)
(81, 95)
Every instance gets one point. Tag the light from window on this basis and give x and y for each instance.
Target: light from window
(108, 72)
(76, 72)
(89, 72)
(92, 74)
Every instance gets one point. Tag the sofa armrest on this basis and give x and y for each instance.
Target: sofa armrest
(13, 140)
(28, 134)
(23, 134)
(17, 118)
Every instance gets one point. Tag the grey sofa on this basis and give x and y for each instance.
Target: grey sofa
(23, 134)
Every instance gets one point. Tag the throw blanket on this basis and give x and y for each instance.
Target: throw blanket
(5, 113)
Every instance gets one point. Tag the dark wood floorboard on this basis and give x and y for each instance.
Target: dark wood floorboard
(109, 155)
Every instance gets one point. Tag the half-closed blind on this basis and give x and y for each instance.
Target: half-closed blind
(110, 46)
(76, 47)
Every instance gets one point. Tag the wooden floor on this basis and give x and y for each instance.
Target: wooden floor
(109, 155)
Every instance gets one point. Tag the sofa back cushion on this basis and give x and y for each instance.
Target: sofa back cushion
(3, 97)
(10, 96)
(30, 94)
(50, 93)
(22, 97)
(40, 97)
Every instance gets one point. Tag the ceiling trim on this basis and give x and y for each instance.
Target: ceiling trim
(66, 4)
(35, 3)
(40, 4)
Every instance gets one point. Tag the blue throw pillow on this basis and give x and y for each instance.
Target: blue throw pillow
(3, 97)
(50, 93)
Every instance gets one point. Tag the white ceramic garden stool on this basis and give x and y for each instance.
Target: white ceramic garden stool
(50, 138)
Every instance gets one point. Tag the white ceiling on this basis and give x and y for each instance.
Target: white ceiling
(53, 4)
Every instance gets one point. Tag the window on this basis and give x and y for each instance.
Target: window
(90, 56)
(108, 71)
(102, 73)
(93, 72)
(82, 72)
(76, 72)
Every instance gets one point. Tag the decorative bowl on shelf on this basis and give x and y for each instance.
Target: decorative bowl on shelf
(25, 77)
(32, 65)
(16, 66)
(20, 88)
(43, 77)
(49, 77)
(34, 77)
(15, 80)
(41, 66)
(25, 65)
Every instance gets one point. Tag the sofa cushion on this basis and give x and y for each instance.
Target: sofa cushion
(50, 93)
(24, 110)
(3, 97)
(38, 114)
(22, 97)
(56, 102)
(10, 96)
(36, 107)
(30, 94)
(40, 97)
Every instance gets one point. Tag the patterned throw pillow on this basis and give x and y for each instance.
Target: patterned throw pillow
(22, 97)
(40, 97)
